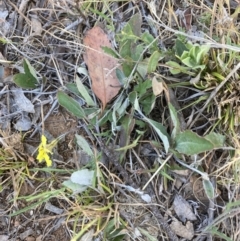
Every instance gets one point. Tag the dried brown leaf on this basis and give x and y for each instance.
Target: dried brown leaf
(183, 209)
(157, 87)
(185, 231)
(101, 66)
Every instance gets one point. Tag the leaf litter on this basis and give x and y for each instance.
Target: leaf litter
(101, 67)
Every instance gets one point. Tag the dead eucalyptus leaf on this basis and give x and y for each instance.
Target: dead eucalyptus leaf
(101, 67)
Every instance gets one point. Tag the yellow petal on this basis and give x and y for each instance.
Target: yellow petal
(48, 161)
(40, 157)
(43, 140)
(43, 151)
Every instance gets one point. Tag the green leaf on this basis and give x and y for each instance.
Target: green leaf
(175, 120)
(147, 103)
(189, 62)
(216, 139)
(214, 231)
(161, 131)
(113, 233)
(203, 50)
(24, 81)
(208, 188)
(147, 234)
(153, 61)
(80, 181)
(180, 47)
(127, 35)
(136, 23)
(121, 76)
(136, 52)
(83, 177)
(28, 80)
(190, 143)
(83, 144)
(142, 68)
(194, 51)
(70, 104)
(184, 55)
(29, 69)
(148, 39)
(72, 87)
(115, 114)
(127, 125)
(127, 67)
(110, 51)
(122, 109)
(175, 68)
(82, 89)
(74, 187)
(130, 146)
(125, 49)
(158, 127)
(142, 87)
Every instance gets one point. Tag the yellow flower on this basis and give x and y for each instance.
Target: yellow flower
(44, 150)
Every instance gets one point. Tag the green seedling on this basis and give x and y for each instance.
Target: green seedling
(194, 58)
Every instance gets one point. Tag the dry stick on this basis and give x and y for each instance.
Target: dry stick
(114, 158)
(214, 92)
(45, 117)
(211, 209)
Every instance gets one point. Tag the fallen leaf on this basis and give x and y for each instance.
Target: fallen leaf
(23, 124)
(181, 230)
(4, 237)
(101, 67)
(4, 24)
(157, 86)
(22, 101)
(183, 209)
(36, 25)
(88, 236)
(186, 19)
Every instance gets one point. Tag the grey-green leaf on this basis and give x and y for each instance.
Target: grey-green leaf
(175, 120)
(190, 143)
(82, 89)
(180, 47)
(110, 51)
(83, 144)
(70, 104)
(208, 188)
(153, 61)
(29, 69)
(27, 80)
(24, 81)
(136, 23)
(161, 131)
(216, 139)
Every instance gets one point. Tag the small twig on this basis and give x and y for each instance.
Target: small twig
(211, 209)
(157, 171)
(214, 92)
(30, 91)
(45, 117)
(72, 25)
